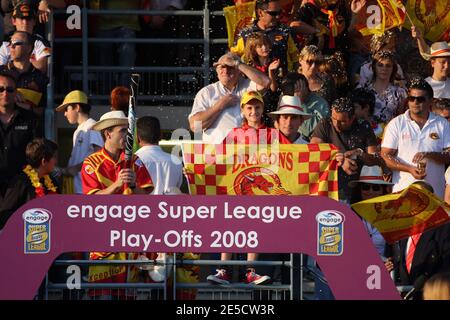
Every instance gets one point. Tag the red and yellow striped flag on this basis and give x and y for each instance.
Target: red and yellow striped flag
(379, 16)
(278, 169)
(238, 17)
(405, 213)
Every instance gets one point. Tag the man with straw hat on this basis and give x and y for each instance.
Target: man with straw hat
(85, 140)
(104, 172)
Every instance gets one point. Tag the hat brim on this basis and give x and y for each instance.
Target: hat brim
(62, 107)
(305, 115)
(380, 182)
(108, 123)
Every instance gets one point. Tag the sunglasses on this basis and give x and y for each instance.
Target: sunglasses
(420, 99)
(367, 187)
(7, 89)
(17, 43)
(273, 13)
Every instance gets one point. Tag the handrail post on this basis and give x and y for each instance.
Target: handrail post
(85, 51)
(206, 43)
(49, 113)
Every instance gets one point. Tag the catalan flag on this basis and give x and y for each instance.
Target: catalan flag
(405, 213)
(379, 16)
(277, 169)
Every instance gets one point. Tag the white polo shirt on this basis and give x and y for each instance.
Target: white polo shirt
(164, 168)
(230, 117)
(441, 89)
(84, 140)
(405, 135)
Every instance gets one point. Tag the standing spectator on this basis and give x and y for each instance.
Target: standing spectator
(268, 13)
(422, 255)
(441, 107)
(24, 19)
(417, 137)
(85, 140)
(310, 59)
(34, 180)
(17, 128)
(389, 97)
(104, 172)
(289, 117)
(120, 99)
(164, 169)
(31, 82)
(354, 138)
(216, 107)
(295, 84)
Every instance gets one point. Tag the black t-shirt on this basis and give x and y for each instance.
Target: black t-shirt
(360, 135)
(14, 138)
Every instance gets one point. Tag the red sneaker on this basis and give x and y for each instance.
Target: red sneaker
(221, 277)
(251, 277)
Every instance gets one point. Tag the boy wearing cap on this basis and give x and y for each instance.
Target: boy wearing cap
(24, 19)
(85, 140)
(440, 62)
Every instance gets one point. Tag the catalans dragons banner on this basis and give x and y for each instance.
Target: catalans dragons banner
(399, 215)
(277, 169)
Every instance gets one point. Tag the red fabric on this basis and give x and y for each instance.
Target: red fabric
(99, 171)
(411, 250)
(250, 135)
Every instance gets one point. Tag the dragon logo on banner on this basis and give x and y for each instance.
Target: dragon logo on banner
(431, 16)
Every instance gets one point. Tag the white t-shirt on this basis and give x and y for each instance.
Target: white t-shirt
(405, 135)
(40, 50)
(441, 89)
(84, 140)
(165, 169)
(230, 117)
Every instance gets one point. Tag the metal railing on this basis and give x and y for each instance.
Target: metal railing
(170, 85)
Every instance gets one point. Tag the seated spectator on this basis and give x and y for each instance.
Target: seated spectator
(441, 107)
(295, 84)
(310, 59)
(31, 82)
(34, 181)
(268, 13)
(85, 140)
(384, 42)
(216, 109)
(334, 67)
(24, 19)
(389, 96)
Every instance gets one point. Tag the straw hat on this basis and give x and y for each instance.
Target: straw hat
(290, 105)
(372, 174)
(111, 119)
(440, 49)
(73, 97)
(251, 95)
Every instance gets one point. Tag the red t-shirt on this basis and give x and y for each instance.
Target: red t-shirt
(250, 135)
(99, 171)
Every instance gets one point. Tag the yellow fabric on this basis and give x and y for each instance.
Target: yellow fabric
(399, 215)
(31, 96)
(431, 17)
(392, 15)
(239, 47)
(67, 185)
(292, 54)
(236, 18)
(278, 169)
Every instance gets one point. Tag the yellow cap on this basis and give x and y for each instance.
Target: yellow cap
(76, 96)
(251, 95)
